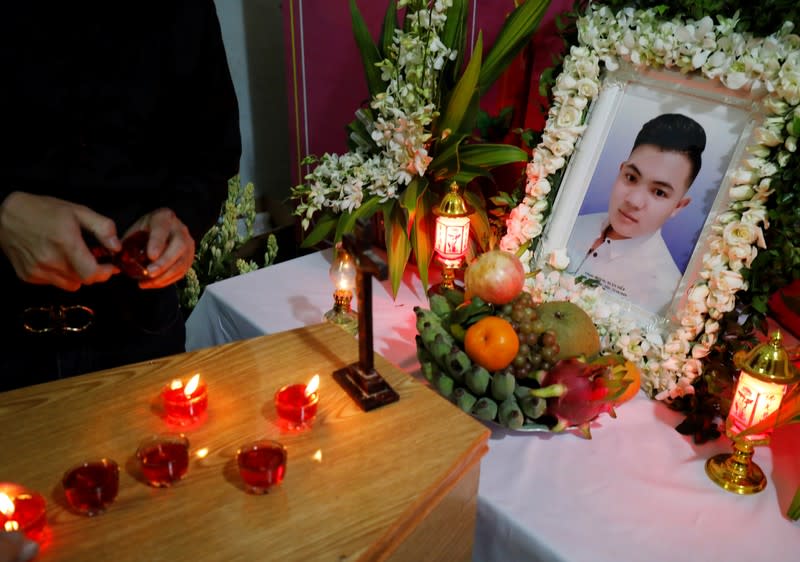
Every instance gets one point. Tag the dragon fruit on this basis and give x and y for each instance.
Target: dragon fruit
(577, 393)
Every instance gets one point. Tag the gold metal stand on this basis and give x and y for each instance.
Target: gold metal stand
(736, 472)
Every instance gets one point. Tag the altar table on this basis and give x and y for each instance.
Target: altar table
(396, 483)
(637, 491)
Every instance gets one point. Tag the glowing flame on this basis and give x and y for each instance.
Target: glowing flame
(175, 384)
(202, 453)
(317, 456)
(312, 385)
(6, 505)
(11, 526)
(191, 386)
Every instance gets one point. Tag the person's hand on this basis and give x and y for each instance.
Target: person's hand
(170, 248)
(43, 239)
(14, 547)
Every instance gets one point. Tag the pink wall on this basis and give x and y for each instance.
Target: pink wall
(325, 79)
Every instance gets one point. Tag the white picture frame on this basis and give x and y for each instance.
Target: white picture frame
(706, 59)
(628, 98)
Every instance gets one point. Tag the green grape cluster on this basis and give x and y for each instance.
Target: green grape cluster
(538, 346)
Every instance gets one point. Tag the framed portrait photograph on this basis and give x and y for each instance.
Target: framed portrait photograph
(649, 173)
(646, 197)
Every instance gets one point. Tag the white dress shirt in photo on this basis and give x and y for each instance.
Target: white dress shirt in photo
(641, 270)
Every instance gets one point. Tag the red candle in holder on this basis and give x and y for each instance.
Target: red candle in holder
(163, 459)
(21, 510)
(262, 464)
(185, 404)
(297, 403)
(91, 486)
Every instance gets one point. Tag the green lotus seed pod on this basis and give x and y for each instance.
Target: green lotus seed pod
(485, 408)
(477, 380)
(532, 406)
(444, 385)
(439, 305)
(430, 370)
(457, 363)
(464, 399)
(503, 385)
(509, 414)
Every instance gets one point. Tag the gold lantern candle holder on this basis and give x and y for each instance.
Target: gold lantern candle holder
(343, 275)
(452, 235)
(765, 375)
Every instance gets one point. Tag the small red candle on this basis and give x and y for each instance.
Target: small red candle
(185, 404)
(21, 510)
(163, 459)
(297, 403)
(262, 464)
(92, 486)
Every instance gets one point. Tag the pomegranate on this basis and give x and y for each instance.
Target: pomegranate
(496, 276)
(577, 393)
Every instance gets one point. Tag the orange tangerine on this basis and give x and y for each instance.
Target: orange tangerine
(492, 343)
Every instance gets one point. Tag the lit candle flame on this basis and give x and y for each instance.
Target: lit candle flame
(312, 385)
(202, 453)
(6, 505)
(11, 525)
(317, 456)
(191, 386)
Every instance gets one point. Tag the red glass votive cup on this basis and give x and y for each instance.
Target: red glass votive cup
(262, 464)
(92, 486)
(21, 510)
(294, 407)
(163, 459)
(180, 409)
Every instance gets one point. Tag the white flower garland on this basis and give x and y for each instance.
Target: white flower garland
(769, 65)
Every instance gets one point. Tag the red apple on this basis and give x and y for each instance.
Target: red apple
(496, 276)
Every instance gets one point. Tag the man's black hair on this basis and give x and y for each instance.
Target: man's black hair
(675, 132)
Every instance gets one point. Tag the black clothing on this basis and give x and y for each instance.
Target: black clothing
(124, 107)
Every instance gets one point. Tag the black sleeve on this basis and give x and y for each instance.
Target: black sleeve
(206, 135)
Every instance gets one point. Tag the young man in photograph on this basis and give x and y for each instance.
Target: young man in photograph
(623, 248)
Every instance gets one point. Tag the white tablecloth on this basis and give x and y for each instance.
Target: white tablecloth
(637, 491)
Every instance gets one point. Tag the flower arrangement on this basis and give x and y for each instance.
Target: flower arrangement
(217, 256)
(716, 51)
(415, 137)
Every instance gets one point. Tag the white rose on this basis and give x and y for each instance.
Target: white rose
(742, 176)
(699, 351)
(741, 192)
(538, 189)
(554, 164)
(740, 253)
(578, 102)
(727, 281)
(587, 88)
(565, 82)
(558, 259)
(755, 216)
(569, 116)
(737, 233)
(698, 294)
(531, 229)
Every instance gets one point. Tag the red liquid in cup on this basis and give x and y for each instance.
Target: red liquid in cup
(262, 466)
(28, 516)
(182, 410)
(164, 463)
(92, 486)
(294, 407)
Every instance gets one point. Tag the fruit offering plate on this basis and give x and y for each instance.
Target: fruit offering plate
(515, 365)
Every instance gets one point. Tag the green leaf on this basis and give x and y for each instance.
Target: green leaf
(513, 37)
(491, 155)
(398, 247)
(468, 173)
(479, 221)
(462, 94)
(387, 31)
(322, 229)
(370, 55)
(409, 197)
(422, 233)
(454, 36)
(347, 222)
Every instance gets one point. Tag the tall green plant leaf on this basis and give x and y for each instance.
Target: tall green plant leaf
(514, 35)
(322, 229)
(347, 222)
(479, 220)
(370, 54)
(422, 233)
(491, 155)
(462, 94)
(398, 246)
(454, 36)
(387, 31)
(409, 197)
